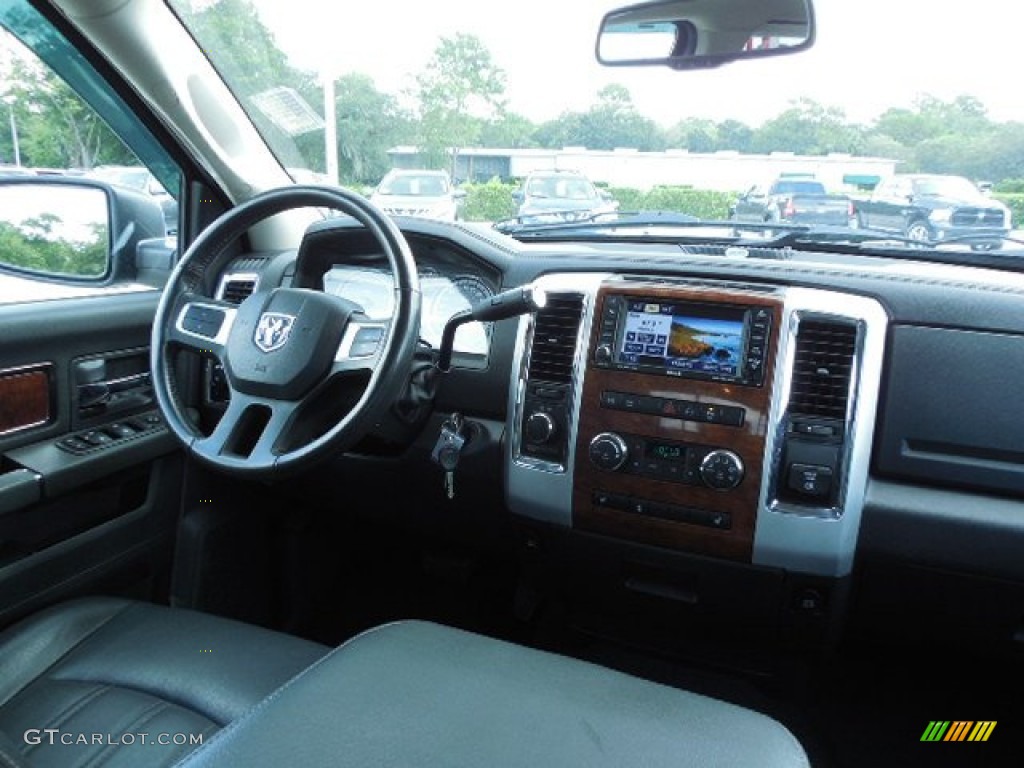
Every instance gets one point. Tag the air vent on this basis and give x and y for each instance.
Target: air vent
(554, 338)
(822, 369)
(235, 290)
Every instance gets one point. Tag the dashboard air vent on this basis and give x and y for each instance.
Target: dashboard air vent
(554, 338)
(237, 289)
(822, 368)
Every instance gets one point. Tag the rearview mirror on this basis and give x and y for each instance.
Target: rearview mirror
(690, 34)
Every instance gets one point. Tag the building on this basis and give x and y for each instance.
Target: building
(725, 171)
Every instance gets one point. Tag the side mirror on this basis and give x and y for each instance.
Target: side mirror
(518, 196)
(690, 34)
(605, 195)
(458, 193)
(74, 228)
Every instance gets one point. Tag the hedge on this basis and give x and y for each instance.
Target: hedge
(1015, 201)
(492, 201)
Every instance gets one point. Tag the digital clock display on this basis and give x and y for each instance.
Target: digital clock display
(666, 451)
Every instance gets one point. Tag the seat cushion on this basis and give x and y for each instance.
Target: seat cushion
(104, 671)
(419, 694)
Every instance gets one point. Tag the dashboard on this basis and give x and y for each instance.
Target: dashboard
(770, 423)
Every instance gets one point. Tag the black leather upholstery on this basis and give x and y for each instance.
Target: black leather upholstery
(418, 694)
(111, 667)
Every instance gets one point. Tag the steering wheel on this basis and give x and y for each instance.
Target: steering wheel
(283, 350)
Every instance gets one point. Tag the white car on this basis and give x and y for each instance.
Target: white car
(425, 194)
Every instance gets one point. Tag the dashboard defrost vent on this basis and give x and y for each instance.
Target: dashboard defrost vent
(554, 338)
(237, 289)
(822, 368)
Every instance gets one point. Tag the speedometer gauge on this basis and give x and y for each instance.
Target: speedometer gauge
(445, 297)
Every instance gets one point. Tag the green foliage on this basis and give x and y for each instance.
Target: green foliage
(703, 203)
(491, 201)
(613, 121)
(34, 245)
(460, 88)
(1010, 186)
(1015, 201)
(56, 128)
(370, 122)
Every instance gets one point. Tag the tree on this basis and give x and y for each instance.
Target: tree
(809, 128)
(256, 65)
(696, 134)
(460, 88)
(56, 128)
(510, 129)
(370, 122)
(613, 121)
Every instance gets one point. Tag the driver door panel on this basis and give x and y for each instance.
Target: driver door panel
(99, 519)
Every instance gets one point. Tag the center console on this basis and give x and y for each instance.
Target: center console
(721, 419)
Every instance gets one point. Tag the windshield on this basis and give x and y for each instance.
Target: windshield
(496, 99)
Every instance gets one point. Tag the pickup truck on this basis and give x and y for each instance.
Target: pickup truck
(800, 201)
(935, 209)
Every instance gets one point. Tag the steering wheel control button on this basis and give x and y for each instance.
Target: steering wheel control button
(721, 470)
(608, 451)
(810, 480)
(203, 321)
(366, 342)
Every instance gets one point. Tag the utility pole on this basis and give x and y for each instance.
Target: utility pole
(14, 136)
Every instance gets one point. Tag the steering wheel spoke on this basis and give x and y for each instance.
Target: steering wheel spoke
(361, 348)
(202, 325)
(252, 430)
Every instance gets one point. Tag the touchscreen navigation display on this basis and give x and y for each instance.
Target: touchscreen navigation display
(683, 339)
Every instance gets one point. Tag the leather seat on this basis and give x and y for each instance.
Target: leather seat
(84, 674)
(419, 694)
(100, 668)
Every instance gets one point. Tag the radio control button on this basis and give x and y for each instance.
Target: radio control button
(721, 470)
(603, 354)
(608, 451)
(540, 427)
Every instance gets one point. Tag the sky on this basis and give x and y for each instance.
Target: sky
(869, 55)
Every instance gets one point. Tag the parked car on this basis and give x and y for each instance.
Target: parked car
(931, 208)
(635, 491)
(793, 200)
(142, 180)
(426, 194)
(557, 195)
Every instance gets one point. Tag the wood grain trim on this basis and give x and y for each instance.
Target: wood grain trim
(24, 398)
(747, 441)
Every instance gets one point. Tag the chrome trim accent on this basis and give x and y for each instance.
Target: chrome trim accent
(612, 437)
(806, 538)
(225, 329)
(229, 276)
(722, 452)
(351, 330)
(538, 488)
(30, 368)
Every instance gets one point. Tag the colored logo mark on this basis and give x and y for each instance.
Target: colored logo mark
(958, 730)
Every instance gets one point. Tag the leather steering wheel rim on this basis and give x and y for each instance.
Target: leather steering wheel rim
(186, 318)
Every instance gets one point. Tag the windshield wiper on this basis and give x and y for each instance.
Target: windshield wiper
(552, 225)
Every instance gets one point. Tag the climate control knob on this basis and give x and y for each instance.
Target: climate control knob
(721, 470)
(608, 451)
(540, 427)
